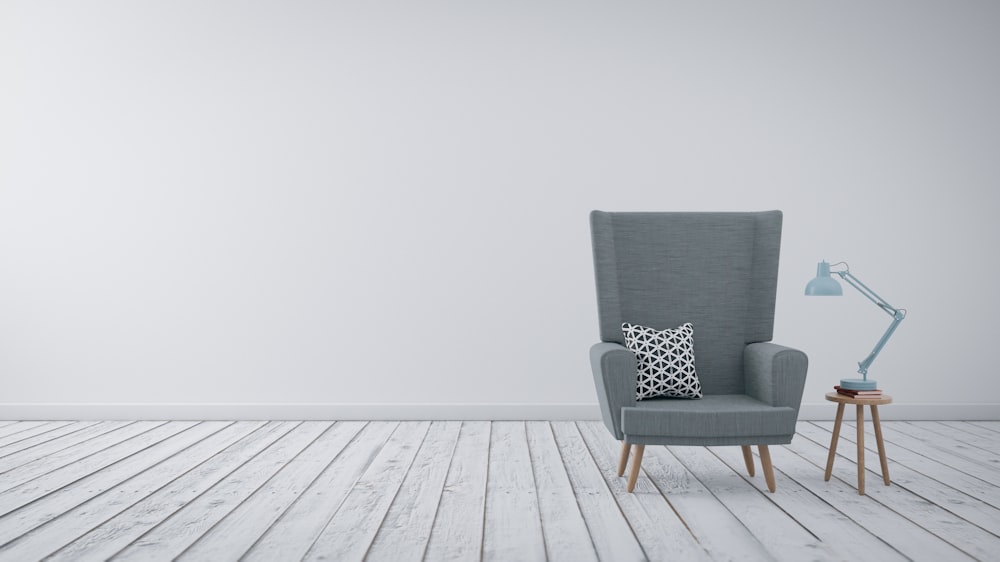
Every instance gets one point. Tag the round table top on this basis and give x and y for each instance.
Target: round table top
(843, 399)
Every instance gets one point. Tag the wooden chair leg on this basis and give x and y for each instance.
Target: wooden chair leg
(765, 462)
(623, 459)
(748, 458)
(633, 475)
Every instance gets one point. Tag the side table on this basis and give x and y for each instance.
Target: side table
(872, 403)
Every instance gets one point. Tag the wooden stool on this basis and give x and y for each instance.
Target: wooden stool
(873, 403)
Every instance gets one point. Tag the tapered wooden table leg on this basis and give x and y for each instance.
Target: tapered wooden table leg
(861, 449)
(748, 458)
(860, 403)
(623, 459)
(833, 442)
(881, 445)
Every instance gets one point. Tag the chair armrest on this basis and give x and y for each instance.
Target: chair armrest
(614, 369)
(775, 374)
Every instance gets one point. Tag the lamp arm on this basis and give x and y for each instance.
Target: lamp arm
(867, 292)
(897, 316)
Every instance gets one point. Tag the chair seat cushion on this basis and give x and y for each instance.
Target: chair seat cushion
(714, 416)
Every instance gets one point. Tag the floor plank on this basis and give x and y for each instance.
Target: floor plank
(953, 454)
(457, 532)
(715, 528)
(175, 534)
(240, 529)
(406, 529)
(38, 480)
(17, 431)
(99, 507)
(783, 537)
(48, 443)
(657, 526)
(80, 449)
(969, 508)
(513, 527)
(476, 490)
(794, 497)
(972, 446)
(291, 536)
(31, 445)
(563, 528)
(990, 425)
(349, 534)
(895, 527)
(952, 471)
(80, 491)
(979, 431)
(118, 532)
(611, 532)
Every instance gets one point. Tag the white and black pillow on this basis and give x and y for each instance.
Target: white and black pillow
(665, 361)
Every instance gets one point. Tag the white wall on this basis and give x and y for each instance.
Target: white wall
(386, 202)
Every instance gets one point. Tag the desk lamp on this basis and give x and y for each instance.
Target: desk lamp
(825, 285)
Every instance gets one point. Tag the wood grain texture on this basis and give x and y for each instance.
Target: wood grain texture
(53, 441)
(717, 530)
(241, 528)
(821, 519)
(34, 445)
(117, 533)
(971, 509)
(892, 526)
(975, 447)
(138, 484)
(406, 529)
(70, 455)
(785, 539)
(291, 536)
(445, 490)
(563, 528)
(659, 529)
(80, 491)
(175, 534)
(349, 534)
(457, 533)
(513, 527)
(943, 450)
(18, 431)
(611, 533)
(38, 480)
(939, 472)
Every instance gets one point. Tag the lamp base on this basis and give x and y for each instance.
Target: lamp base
(858, 384)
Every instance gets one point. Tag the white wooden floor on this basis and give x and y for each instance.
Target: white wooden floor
(481, 490)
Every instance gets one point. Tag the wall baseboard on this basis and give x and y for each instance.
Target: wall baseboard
(300, 411)
(442, 411)
(827, 411)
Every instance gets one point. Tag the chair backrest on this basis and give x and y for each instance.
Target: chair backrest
(718, 271)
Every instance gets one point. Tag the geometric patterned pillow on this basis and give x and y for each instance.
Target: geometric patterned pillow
(665, 361)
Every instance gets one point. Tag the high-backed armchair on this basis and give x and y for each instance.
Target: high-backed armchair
(719, 272)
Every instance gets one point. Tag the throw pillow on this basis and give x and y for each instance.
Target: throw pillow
(665, 361)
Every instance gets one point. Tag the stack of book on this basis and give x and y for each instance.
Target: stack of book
(877, 393)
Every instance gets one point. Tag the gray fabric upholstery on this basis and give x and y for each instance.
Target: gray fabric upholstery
(718, 271)
(614, 368)
(775, 374)
(709, 419)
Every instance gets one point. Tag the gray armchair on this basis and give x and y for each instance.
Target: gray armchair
(718, 271)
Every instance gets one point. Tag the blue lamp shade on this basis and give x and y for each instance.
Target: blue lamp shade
(823, 285)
